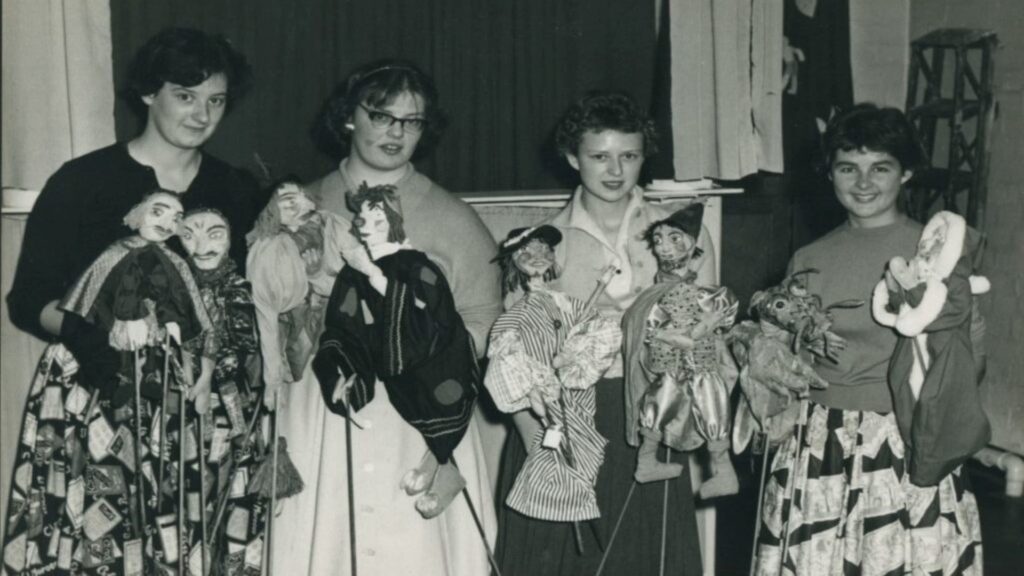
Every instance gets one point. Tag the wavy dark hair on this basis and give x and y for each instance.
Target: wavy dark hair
(599, 111)
(870, 127)
(187, 57)
(377, 84)
(513, 279)
(383, 197)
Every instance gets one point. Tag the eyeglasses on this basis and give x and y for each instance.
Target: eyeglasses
(381, 119)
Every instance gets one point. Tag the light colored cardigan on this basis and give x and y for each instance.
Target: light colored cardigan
(448, 231)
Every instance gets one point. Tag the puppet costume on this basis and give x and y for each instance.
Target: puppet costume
(74, 499)
(932, 372)
(847, 500)
(386, 445)
(411, 339)
(235, 448)
(524, 342)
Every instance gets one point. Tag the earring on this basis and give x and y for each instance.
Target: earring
(350, 126)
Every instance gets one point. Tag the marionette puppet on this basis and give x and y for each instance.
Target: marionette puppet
(928, 300)
(679, 372)
(295, 251)
(236, 450)
(391, 317)
(143, 296)
(546, 353)
(775, 375)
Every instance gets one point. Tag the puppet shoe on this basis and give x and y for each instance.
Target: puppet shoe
(446, 486)
(418, 479)
(723, 481)
(649, 469)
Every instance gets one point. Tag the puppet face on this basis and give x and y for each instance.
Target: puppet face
(157, 218)
(294, 204)
(535, 258)
(207, 239)
(380, 142)
(867, 184)
(672, 247)
(609, 164)
(372, 224)
(186, 116)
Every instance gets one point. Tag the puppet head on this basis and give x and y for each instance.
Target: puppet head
(294, 205)
(206, 236)
(527, 257)
(674, 239)
(378, 215)
(791, 307)
(157, 217)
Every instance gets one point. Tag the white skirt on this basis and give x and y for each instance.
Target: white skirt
(311, 530)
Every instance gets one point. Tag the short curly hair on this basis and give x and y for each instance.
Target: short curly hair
(870, 127)
(599, 111)
(187, 57)
(377, 84)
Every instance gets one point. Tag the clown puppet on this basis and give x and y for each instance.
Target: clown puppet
(678, 371)
(391, 318)
(546, 353)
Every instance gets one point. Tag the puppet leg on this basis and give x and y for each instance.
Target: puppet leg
(418, 479)
(447, 484)
(648, 468)
(711, 413)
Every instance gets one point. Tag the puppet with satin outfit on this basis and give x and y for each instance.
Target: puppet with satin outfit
(678, 370)
(546, 353)
(391, 317)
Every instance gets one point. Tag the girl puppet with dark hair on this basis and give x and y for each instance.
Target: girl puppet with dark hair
(391, 317)
(678, 371)
(546, 353)
(108, 445)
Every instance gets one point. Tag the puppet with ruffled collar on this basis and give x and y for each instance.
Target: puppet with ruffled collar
(392, 318)
(546, 353)
(679, 373)
(928, 300)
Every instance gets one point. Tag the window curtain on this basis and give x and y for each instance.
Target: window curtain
(505, 72)
(57, 104)
(726, 86)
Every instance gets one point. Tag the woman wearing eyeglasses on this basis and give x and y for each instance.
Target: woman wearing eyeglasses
(385, 115)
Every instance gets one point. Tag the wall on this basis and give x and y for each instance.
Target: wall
(1003, 389)
(879, 50)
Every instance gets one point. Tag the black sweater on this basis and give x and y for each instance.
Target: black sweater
(79, 213)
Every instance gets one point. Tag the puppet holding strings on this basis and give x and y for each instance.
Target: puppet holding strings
(546, 353)
(678, 371)
(391, 317)
(144, 299)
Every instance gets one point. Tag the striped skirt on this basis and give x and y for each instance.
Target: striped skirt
(848, 505)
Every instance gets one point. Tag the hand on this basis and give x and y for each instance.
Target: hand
(272, 397)
(200, 394)
(537, 404)
(312, 258)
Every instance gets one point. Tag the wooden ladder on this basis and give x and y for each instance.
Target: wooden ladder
(968, 118)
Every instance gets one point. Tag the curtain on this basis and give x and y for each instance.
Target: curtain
(57, 104)
(726, 69)
(505, 71)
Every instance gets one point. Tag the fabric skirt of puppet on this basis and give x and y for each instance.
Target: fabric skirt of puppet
(73, 504)
(854, 510)
(530, 546)
(310, 534)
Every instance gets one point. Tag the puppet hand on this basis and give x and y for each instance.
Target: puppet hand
(312, 258)
(675, 337)
(536, 398)
(560, 361)
(272, 398)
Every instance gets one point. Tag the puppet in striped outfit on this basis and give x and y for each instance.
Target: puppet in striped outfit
(546, 352)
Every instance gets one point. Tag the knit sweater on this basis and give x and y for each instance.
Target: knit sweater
(448, 231)
(850, 261)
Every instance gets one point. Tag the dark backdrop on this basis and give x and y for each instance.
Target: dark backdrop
(506, 70)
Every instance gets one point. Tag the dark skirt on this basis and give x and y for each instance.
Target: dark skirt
(537, 547)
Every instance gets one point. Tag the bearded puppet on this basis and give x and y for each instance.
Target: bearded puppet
(678, 372)
(546, 353)
(928, 300)
(392, 318)
(295, 251)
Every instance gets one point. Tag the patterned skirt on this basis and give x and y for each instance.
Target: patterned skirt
(849, 507)
(75, 505)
